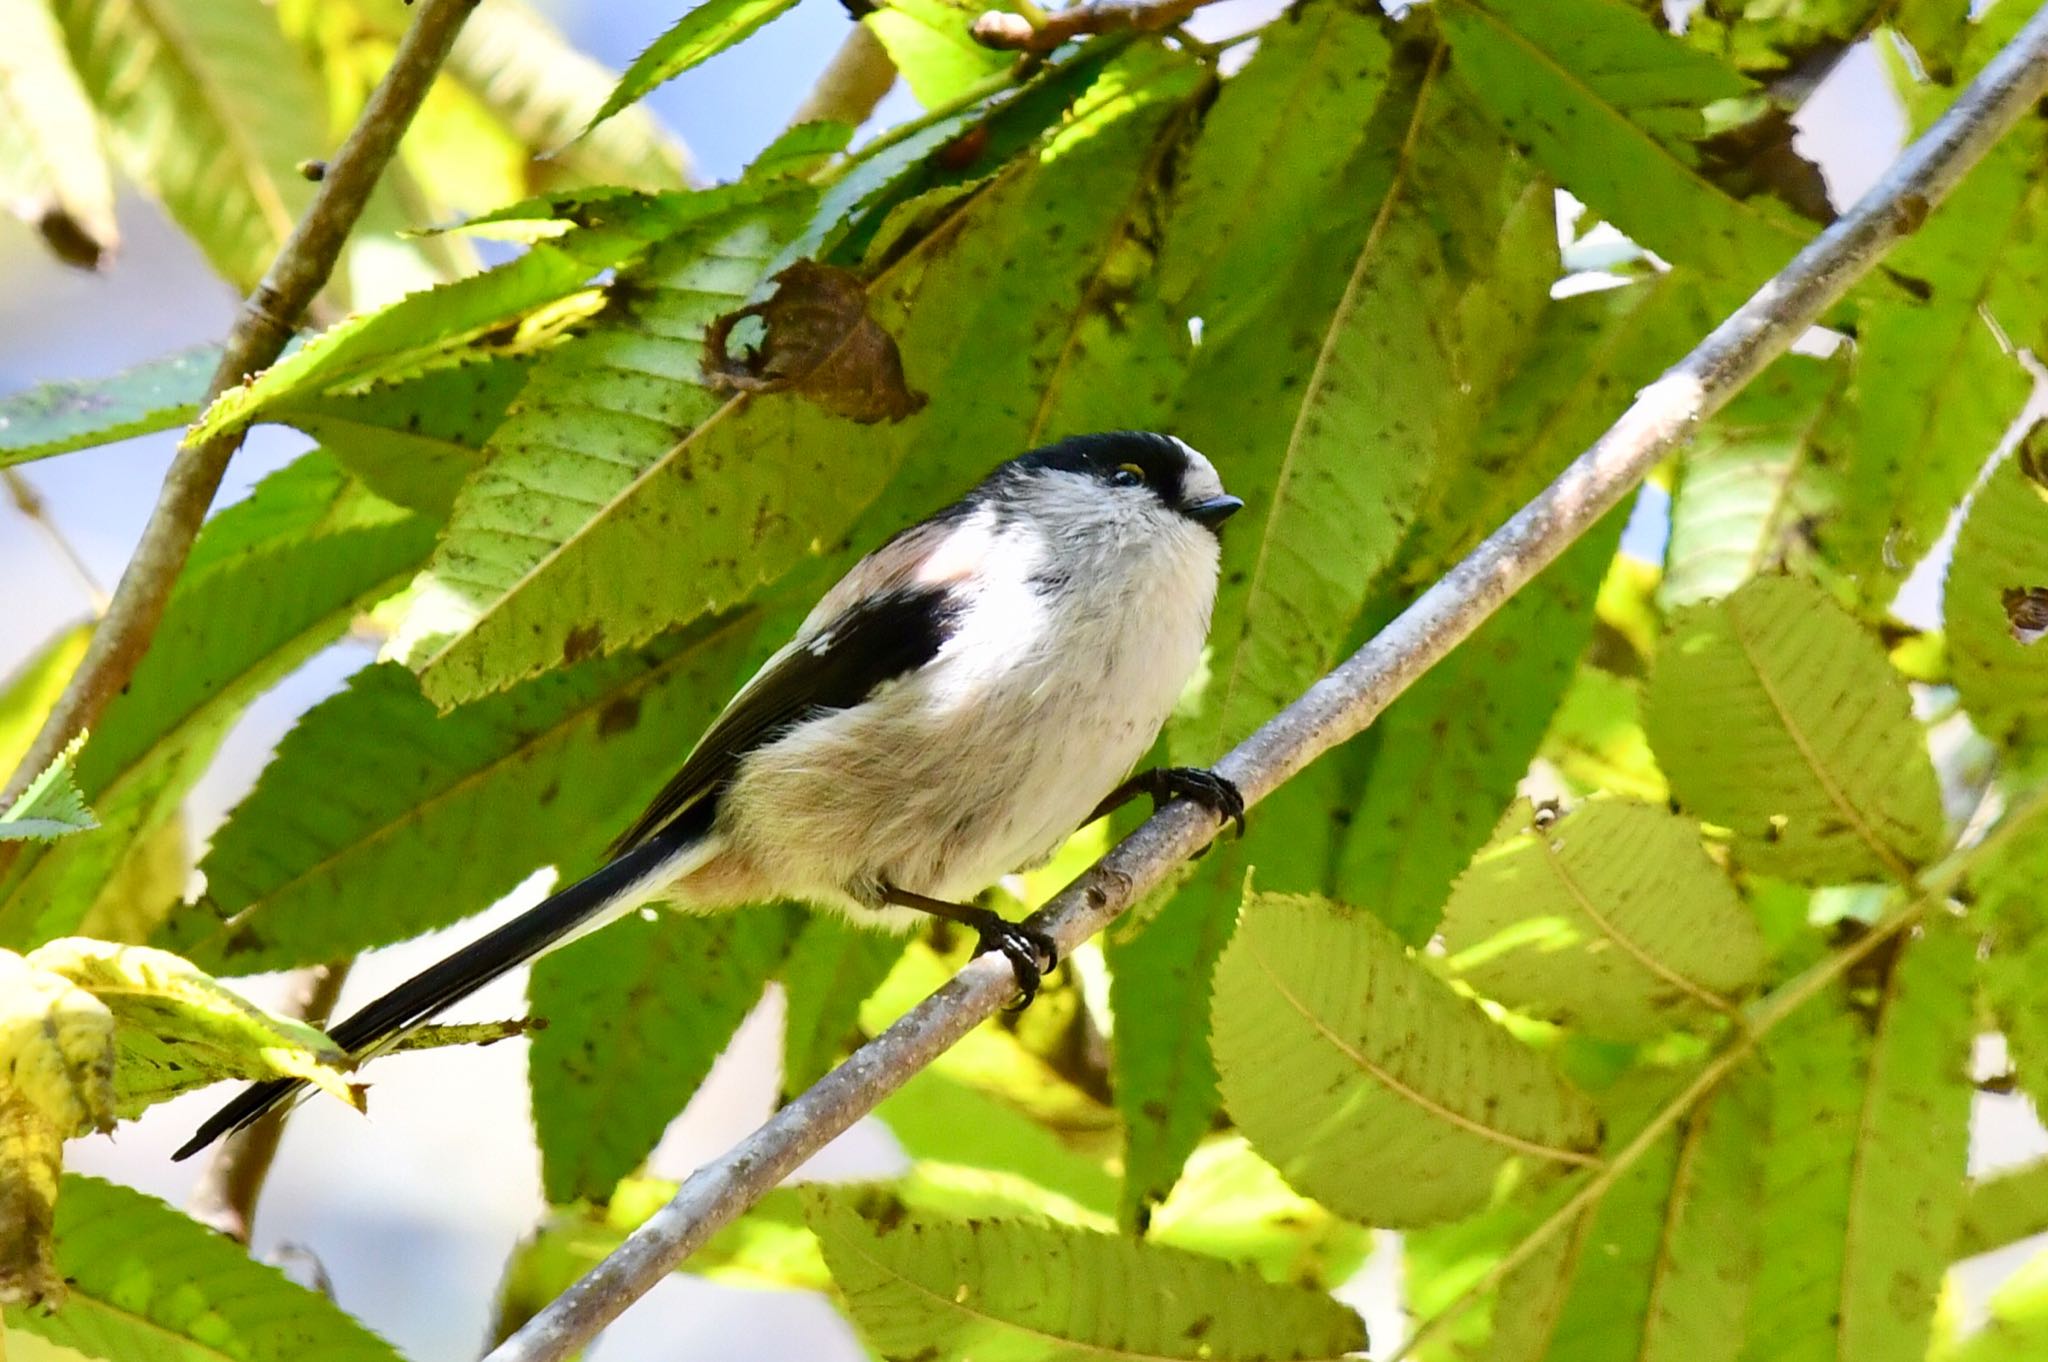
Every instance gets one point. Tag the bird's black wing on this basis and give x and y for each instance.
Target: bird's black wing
(873, 641)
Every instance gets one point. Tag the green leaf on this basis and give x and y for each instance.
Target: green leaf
(1864, 1181)
(229, 632)
(210, 109)
(918, 1285)
(51, 805)
(1765, 40)
(434, 326)
(543, 89)
(706, 30)
(755, 486)
(1596, 740)
(1231, 1204)
(1611, 920)
(1934, 385)
(1777, 717)
(52, 174)
(1374, 299)
(1514, 1322)
(929, 43)
(1751, 483)
(831, 967)
(2003, 1208)
(1366, 1080)
(2006, 881)
(635, 1014)
(416, 441)
(1667, 1261)
(601, 462)
(1612, 108)
(1996, 595)
(177, 1029)
(218, 1305)
(56, 418)
(380, 819)
(937, 1118)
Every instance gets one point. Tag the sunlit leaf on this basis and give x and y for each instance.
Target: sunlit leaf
(27, 695)
(929, 43)
(112, 1247)
(1610, 919)
(920, 1285)
(703, 32)
(1366, 1081)
(49, 806)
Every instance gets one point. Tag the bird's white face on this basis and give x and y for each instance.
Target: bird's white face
(1111, 508)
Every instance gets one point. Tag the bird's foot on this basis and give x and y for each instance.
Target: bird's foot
(1200, 785)
(1023, 947)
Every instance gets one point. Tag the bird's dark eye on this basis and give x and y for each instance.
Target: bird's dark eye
(1127, 475)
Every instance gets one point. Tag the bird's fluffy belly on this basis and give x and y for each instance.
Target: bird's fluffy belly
(931, 787)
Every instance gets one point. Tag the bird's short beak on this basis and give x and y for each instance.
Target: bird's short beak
(1214, 511)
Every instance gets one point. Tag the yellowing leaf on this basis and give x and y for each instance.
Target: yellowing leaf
(1367, 1081)
(51, 805)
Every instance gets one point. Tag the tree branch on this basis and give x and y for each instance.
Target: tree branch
(1017, 33)
(267, 319)
(1662, 417)
(226, 1197)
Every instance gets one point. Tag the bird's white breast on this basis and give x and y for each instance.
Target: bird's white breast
(1058, 676)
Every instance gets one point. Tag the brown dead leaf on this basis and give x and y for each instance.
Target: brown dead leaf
(821, 344)
(2026, 612)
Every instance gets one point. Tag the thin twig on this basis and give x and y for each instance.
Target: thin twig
(267, 318)
(852, 83)
(30, 503)
(1021, 33)
(226, 1196)
(1335, 708)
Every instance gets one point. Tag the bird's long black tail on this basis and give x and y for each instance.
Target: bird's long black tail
(449, 981)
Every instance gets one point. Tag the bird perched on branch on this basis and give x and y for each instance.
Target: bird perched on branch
(960, 702)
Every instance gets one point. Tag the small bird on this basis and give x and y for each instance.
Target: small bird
(961, 701)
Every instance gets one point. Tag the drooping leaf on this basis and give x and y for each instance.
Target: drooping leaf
(1995, 602)
(112, 1247)
(1610, 919)
(57, 1055)
(1366, 1081)
(929, 42)
(52, 174)
(56, 418)
(1612, 108)
(919, 1285)
(206, 106)
(1933, 385)
(707, 29)
(1752, 485)
(50, 806)
(1776, 716)
(176, 1029)
(229, 632)
(380, 819)
(635, 1014)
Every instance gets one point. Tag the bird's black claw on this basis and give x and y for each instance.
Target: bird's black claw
(1199, 785)
(1023, 947)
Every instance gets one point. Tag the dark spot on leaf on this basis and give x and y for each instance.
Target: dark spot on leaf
(583, 641)
(620, 716)
(1200, 1327)
(821, 343)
